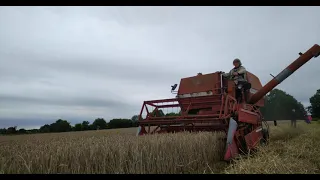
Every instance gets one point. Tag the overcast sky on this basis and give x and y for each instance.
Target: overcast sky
(80, 63)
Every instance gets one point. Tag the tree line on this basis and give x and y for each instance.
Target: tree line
(64, 126)
(278, 106)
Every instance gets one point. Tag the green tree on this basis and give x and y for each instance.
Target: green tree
(3, 131)
(279, 105)
(12, 130)
(78, 127)
(172, 114)
(85, 125)
(134, 120)
(157, 113)
(60, 126)
(45, 128)
(34, 130)
(120, 123)
(314, 109)
(22, 131)
(99, 123)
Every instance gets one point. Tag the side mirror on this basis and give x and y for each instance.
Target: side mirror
(174, 87)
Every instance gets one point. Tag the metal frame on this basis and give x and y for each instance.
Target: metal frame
(225, 107)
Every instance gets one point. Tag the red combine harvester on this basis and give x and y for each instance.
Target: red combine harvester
(209, 102)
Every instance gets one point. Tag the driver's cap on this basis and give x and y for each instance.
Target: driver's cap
(236, 60)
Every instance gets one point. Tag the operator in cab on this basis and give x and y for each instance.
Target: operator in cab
(239, 75)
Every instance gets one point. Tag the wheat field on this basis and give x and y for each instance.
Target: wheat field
(290, 151)
(119, 151)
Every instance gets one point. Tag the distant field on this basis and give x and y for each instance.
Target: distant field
(291, 150)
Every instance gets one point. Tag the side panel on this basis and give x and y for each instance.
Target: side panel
(206, 102)
(253, 138)
(248, 116)
(200, 84)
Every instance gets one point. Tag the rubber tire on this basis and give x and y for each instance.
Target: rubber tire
(265, 137)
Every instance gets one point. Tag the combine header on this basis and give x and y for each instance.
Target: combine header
(209, 102)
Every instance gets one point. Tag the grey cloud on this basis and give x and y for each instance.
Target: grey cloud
(102, 68)
(61, 101)
(24, 123)
(80, 63)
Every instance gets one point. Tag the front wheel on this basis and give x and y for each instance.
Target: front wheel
(265, 137)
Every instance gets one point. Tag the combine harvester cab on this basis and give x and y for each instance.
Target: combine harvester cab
(209, 102)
